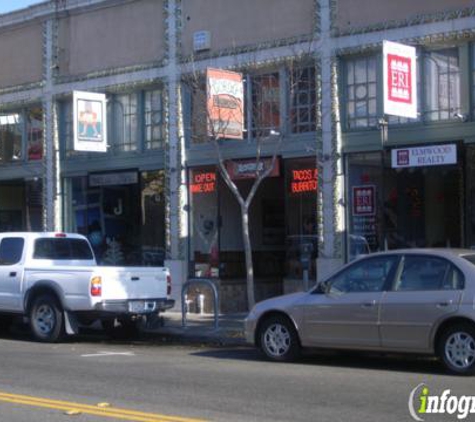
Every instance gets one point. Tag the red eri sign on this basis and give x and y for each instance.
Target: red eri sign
(364, 200)
(399, 70)
(399, 79)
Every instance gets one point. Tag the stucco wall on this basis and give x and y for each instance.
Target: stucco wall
(114, 36)
(21, 49)
(246, 22)
(361, 13)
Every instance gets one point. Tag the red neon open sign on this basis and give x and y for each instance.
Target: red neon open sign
(203, 182)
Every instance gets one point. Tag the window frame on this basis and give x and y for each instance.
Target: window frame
(425, 64)
(388, 282)
(371, 120)
(22, 240)
(450, 266)
(137, 134)
(70, 242)
(257, 129)
(311, 107)
(20, 153)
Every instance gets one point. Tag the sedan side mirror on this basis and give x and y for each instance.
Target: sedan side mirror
(321, 288)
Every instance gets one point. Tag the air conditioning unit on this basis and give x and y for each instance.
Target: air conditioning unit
(201, 41)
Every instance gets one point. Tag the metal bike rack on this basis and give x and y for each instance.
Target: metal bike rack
(205, 282)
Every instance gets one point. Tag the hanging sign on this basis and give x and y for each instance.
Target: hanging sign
(89, 121)
(399, 80)
(430, 155)
(225, 99)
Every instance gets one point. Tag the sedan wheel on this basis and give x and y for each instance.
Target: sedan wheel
(279, 339)
(457, 349)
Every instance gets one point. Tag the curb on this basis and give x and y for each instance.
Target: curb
(192, 335)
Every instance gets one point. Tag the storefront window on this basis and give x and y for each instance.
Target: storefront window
(301, 219)
(21, 207)
(282, 222)
(152, 205)
(422, 204)
(361, 91)
(122, 214)
(442, 84)
(364, 204)
(34, 131)
(11, 127)
(203, 191)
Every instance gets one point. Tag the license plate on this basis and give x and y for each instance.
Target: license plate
(137, 306)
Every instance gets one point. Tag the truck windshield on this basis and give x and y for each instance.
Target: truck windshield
(62, 248)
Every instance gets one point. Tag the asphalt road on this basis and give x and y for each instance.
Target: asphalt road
(182, 382)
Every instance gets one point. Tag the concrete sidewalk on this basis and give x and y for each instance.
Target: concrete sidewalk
(200, 328)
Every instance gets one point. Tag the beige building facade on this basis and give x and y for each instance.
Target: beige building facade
(313, 89)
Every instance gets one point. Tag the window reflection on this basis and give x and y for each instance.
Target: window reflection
(10, 137)
(34, 130)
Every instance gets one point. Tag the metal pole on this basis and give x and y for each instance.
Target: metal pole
(383, 127)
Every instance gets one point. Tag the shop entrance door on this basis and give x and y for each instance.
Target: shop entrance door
(423, 207)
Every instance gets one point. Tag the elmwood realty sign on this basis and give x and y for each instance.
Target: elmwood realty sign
(431, 155)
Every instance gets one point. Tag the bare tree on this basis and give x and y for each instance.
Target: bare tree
(214, 127)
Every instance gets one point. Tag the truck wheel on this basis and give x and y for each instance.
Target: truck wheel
(46, 319)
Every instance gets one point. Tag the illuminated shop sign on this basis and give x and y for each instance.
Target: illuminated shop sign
(203, 182)
(303, 180)
(431, 155)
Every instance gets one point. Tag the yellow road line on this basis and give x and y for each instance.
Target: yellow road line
(110, 412)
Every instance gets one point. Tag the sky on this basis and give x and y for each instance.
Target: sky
(10, 5)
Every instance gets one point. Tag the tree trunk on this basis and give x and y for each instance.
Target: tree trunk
(248, 254)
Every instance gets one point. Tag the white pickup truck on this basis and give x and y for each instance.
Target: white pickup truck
(53, 280)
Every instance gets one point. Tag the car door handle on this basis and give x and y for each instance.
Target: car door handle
(12, 274)
(135, 278)
(444, 304)
(369, 304)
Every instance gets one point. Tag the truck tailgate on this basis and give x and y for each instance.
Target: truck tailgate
(119, 283)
